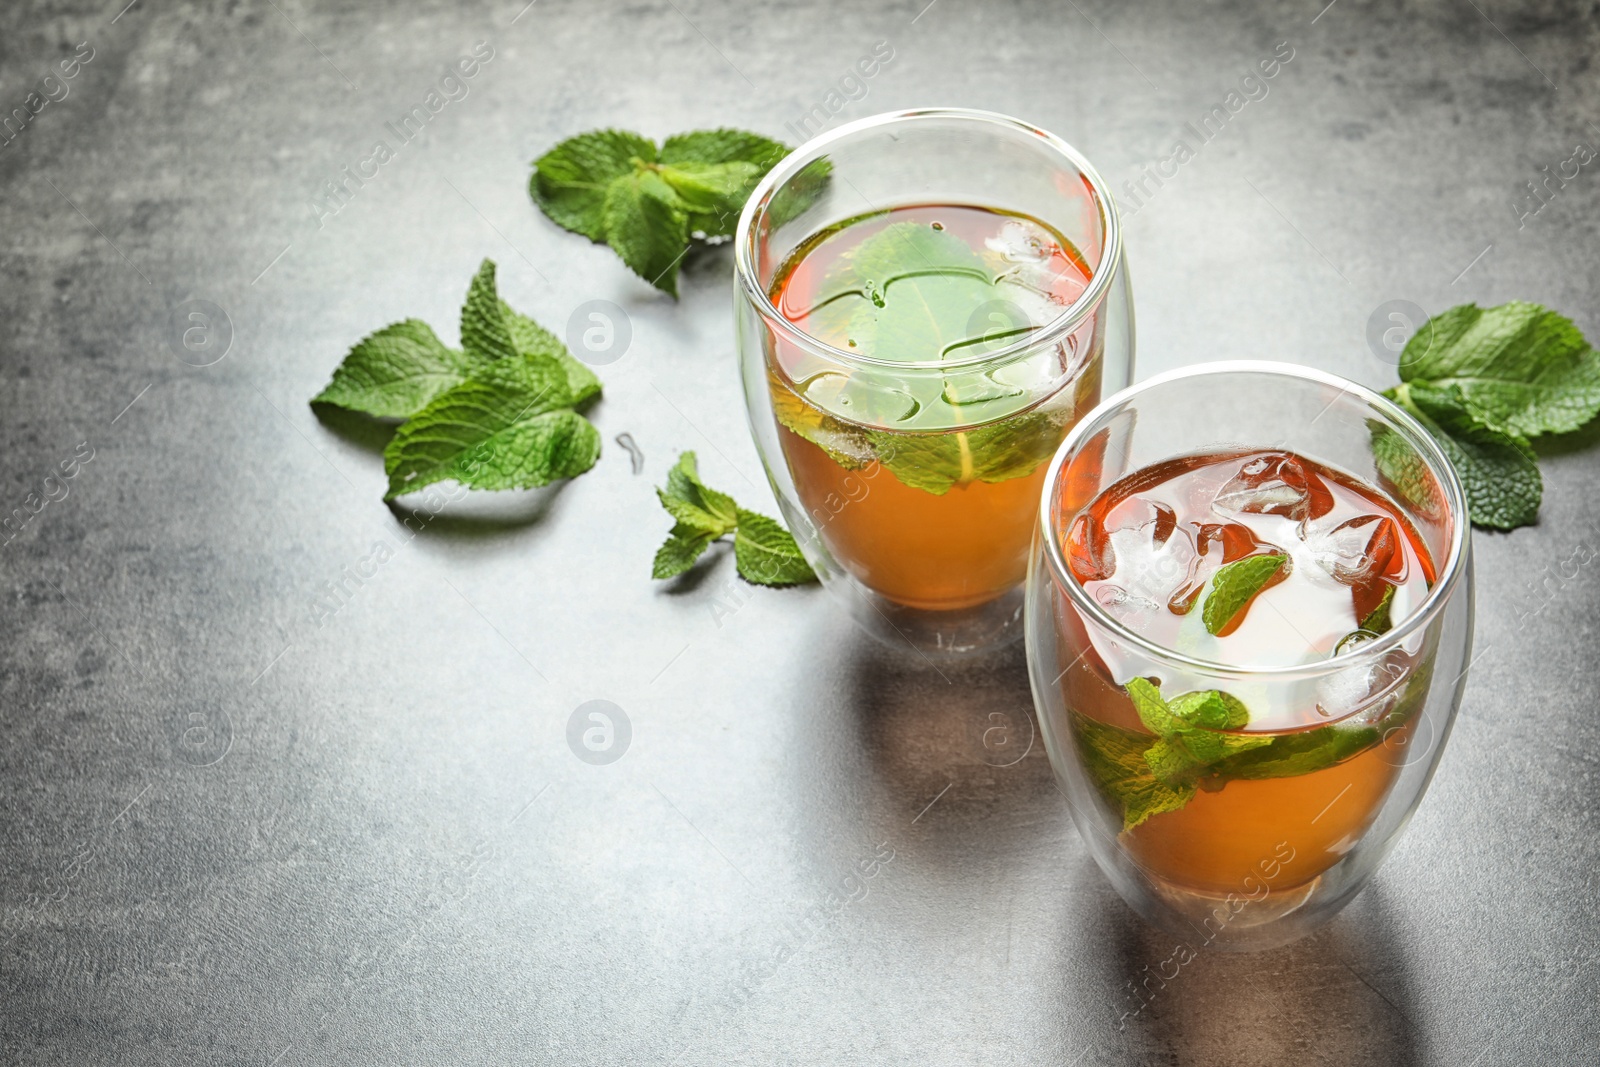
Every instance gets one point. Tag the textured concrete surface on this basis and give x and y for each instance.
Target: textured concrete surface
(236, 832)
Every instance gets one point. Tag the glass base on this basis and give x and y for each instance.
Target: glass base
(1237, 922)
(940, 634)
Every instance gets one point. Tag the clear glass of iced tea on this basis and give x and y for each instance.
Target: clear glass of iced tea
(926, 302)
(1249, 620)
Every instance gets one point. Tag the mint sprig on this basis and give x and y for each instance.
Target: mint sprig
(617, 188)
(501, 412)
(764, 552)
(1146, 774)
(1484, 381)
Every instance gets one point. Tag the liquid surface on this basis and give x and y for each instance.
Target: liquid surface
(923, 479)
(1150, 546)
(904, 285)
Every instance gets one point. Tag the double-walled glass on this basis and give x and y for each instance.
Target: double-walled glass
(911, 483)
(1262, 848)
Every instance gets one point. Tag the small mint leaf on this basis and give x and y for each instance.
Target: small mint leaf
(1378, 620)
(569, 182)
(507, 427)
(1116, 762)
(1153, 711)
(689, 501)
(646, 224)
(1234, 586)
(484, 335)
(684, 545)
(394, 372)
(1210, 709)
(766, 553)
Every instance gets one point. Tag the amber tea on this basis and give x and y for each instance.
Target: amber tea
(925, 487)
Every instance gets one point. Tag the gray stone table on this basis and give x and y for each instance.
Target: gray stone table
(238, 829)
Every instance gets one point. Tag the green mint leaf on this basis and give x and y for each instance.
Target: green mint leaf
(647, 225)
(1498, 469)
(570, 181)
(1234, 586)
(1117, 763)
(723, 146)
(683, 547)
(1378, 620)
(1152, 710)
(1186, 729)
(531, 339)
(1012, 447)
(913, 293)
(508, 427)
(1313, 750)
(1521, 368)
(394, 372)
(766, 553)
(693, 504)
(483, 327)
(1210, 709)
(746, 157)
(907, 294)
(1290, 755)
(1402, 471)
(714, 193)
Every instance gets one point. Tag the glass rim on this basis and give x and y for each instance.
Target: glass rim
(1102, 274)
(1455, 500)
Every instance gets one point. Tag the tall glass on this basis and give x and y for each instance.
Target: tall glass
(1315, 779)
(911, 482)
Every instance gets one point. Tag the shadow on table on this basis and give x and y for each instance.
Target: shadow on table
(1345, 994)
(352, 427)
(955, 743)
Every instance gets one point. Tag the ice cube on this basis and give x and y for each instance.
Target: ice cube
(1371, 687)
(1022, 242)
(1356, 551)
(1130, 609)
(1275, 483)
(1089, 551)
(1155, 559)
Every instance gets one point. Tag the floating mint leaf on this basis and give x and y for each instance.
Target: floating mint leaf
(1148, 774)
(1234, 586)
(1116, 761)
(1378, 620)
